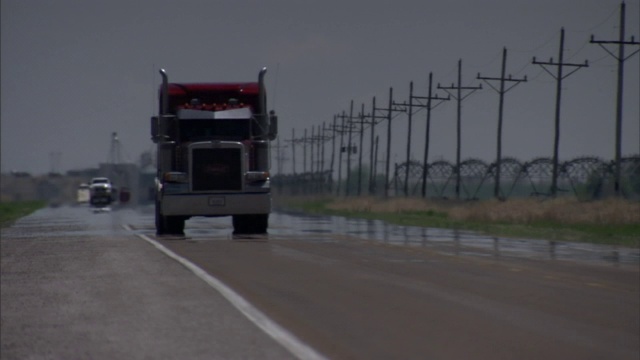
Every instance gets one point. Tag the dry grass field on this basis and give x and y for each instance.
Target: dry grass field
(521, 211)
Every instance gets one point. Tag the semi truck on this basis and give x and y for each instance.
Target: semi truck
(213, 154)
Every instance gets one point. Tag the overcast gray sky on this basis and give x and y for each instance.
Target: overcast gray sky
(74, 71)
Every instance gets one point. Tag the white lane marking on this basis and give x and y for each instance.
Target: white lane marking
(277, 332)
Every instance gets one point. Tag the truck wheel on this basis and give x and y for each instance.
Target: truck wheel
(250, 224)
(261, 223)
(160, 223)
(174, 224)
(239, 226)
(168, 224)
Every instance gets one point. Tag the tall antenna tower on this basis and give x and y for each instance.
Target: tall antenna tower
(115, 154)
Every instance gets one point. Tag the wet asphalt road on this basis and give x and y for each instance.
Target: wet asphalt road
(77, 284)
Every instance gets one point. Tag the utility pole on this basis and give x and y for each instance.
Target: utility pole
(342, 117)
(304, 152)
(311, 142)
(325, 137)
(318, 141)
(349, 149)
(322, 136)
(390, 117)
(559, 77)
(420, 106)
(429, 106)
(293, 149)
(410, 117)
(459, 97)
(333, 149)
(315, 141)
(372, 158)
(621, 59)
(372, 175)
(280, 157)
(361, 130)
(320, 148)
(501, 91)
(375, 168)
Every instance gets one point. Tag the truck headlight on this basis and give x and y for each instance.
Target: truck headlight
(175, 177)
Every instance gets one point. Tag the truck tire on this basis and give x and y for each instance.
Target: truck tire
(173, 225)
(160, 223)
(250, 224)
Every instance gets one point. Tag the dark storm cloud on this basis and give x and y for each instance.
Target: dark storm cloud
(75, 71)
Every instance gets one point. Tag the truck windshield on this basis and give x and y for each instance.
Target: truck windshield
(201, 129)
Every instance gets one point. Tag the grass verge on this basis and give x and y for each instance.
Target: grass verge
(611, 221)
(11, 211)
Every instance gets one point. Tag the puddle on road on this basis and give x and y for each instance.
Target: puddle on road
(74, 221)
(331, 229)
(451, 242)
(70, 222)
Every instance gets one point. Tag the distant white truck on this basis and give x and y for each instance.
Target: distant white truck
(100, 191)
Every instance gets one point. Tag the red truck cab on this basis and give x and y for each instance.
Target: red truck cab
(213, 149)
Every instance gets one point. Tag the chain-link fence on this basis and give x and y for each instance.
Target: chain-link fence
(583, 177)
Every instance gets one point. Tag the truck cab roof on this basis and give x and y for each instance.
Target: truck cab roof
(214, 96)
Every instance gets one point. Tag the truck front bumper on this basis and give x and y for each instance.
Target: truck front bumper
(216, 204)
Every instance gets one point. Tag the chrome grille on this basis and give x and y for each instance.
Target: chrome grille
(217, 169)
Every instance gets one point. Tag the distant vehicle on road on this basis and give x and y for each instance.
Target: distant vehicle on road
(100, 191)
(83, 194)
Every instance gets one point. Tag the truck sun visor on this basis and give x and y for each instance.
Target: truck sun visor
(241, 113)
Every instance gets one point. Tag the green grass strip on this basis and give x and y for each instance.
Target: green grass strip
(12, 211)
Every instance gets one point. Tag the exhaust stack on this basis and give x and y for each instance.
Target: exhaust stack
(164, 106)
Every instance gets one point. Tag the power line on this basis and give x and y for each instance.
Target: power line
(429, 98)
(374, 149)
(501, 91)
(459, 97)
(559, 76)
(420, 106)
(621, 59)
(390, 110)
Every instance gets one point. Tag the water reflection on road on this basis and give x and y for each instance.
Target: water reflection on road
(446, 241)
(84, 221)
